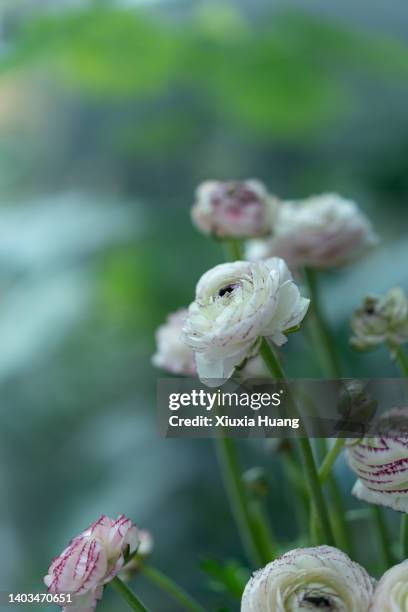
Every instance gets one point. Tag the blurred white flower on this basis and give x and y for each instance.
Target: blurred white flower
(144, 550)
(236, 304)
(234, 209)
(391, 594)
(321, 578)
(322, 231)
(381, 320)
(172, 354)
(381, 463)
(91, 560)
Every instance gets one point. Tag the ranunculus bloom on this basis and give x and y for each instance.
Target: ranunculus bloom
(381, 320)
(391, 594)
(236, 304)
(320, 232)
(91, 560)
(381, 463)
(172, 353)
(234, 209)
(321, 578)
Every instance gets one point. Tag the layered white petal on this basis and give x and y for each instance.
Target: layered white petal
(309, 579)
(391, 594)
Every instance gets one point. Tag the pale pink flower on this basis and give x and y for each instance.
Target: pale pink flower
(234, 209)
(91, 560)
(322, 231)
(172, 354)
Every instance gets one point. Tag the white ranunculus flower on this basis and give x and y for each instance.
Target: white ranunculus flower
(391, 594)
(381, 463)
(234, 209)
(172, 354)
(236, 304)
(321, 578)
(322, 231)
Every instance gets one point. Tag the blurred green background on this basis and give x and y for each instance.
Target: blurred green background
(110, 114)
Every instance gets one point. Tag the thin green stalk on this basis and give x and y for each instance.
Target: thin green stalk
(330, 459)
(338, 517)
(332, 367)
(404, 537)
(172, 588)
(311, 474)
(231, 475)
(384, 538)
(260, 527)
(320, 328)
(402, 359)
(127, 594)
(337, 510)
(234, 250)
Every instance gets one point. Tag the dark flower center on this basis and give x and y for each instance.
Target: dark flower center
(319, 602)
(227, 290)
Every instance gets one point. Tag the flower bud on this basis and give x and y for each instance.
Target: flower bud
(234, 209)
(323, 231)
(381, 463)
(256, 481)
(321, 578)
(381, 320)
(91, 560)
(391, 594)
(236, 304)
(356, 407)
(172, 354)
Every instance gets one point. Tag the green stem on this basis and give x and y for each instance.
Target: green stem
(172, 588)
(402, 359)
(309, 466)
(384, 538)
(320, 328)
(330, 459)
(332, 368)
(404, 537)
(234, 250)
(128, 595)
(231, 475)
(260, 527)
(271, 361)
